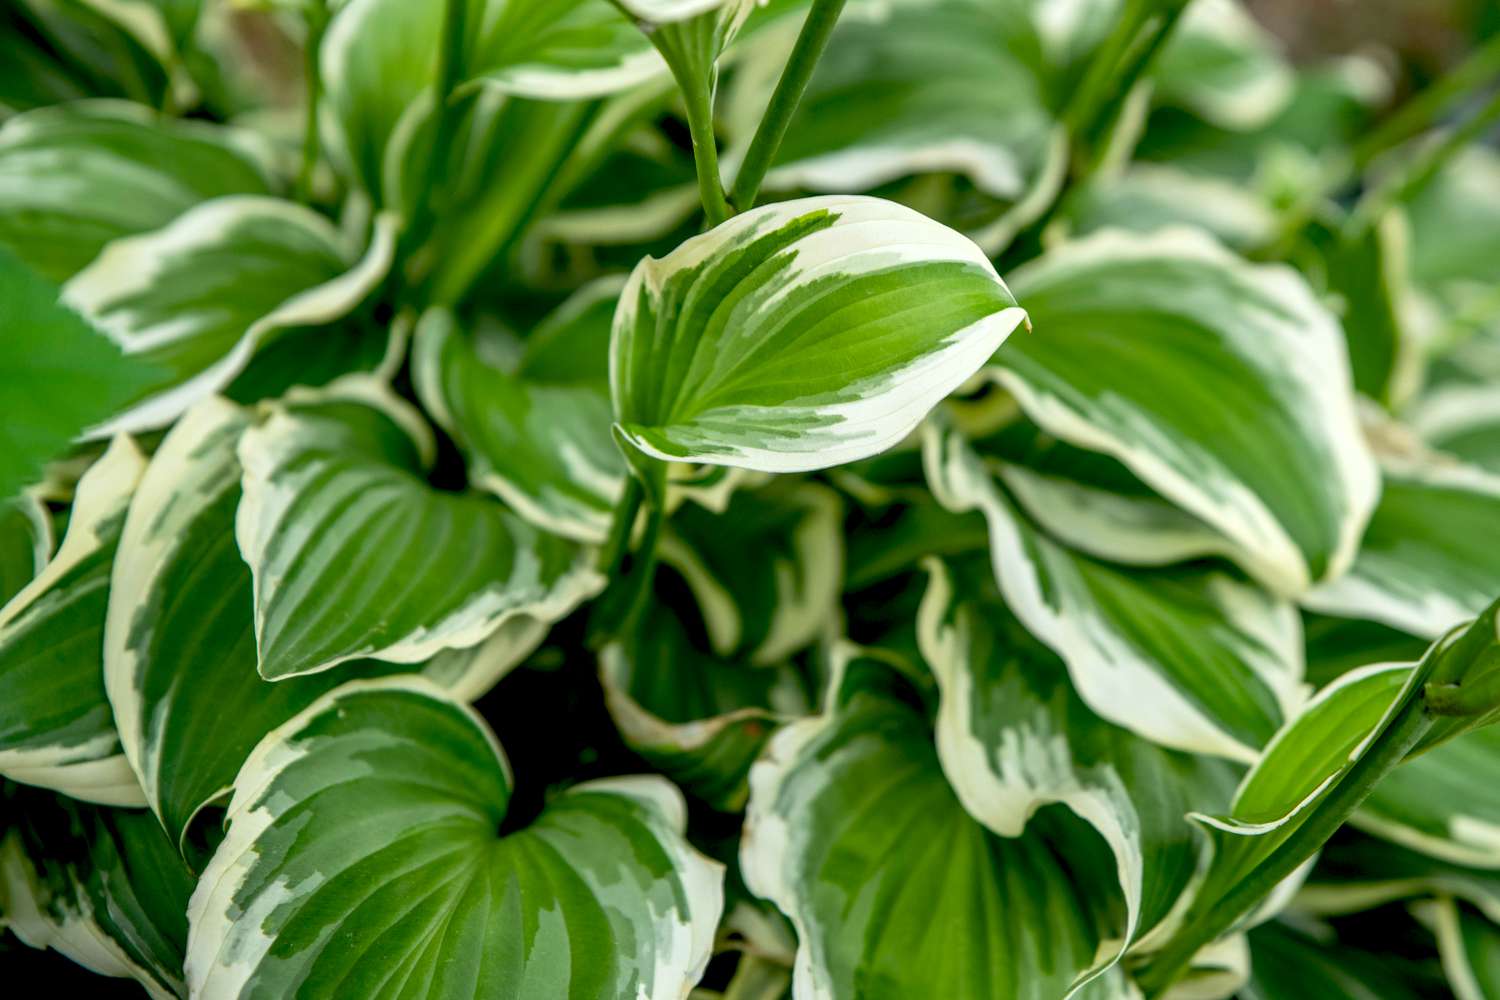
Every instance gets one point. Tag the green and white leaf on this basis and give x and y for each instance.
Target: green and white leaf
(1193, 659)
(179, 641)
(801, 335)
(542, 447)
(1453, 226)
(1358, 873)
(1013, 737)
(61, 376)
(354, 555)
(74, 177)
(56, 728)
(1255, 432)
(1151, 196)
(698, 718)
(374, 816)
(1224, 66)
(25, 543)
(850, 812)
(105, 887)
(772, 605)
(1288, 965)
(199, 297)
(1423, 567)
(1463, 421)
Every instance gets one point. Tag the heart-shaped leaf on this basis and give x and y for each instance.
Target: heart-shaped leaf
(179, 639)
(375, 816)
(802, 335)
(355, 555)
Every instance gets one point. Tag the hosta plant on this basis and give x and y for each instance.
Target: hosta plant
(869, 500)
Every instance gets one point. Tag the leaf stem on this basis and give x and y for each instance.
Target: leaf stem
(698, 96)
(1083, 107)
(317, 23)
(811, 42)
(1207, 920)
(612, 554)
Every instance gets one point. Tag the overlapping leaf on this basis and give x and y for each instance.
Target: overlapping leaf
(197, 298)
(387, 801)
(801, 335)
(25, 543)
(179, 643)
(1190, 658)
(1255, 430)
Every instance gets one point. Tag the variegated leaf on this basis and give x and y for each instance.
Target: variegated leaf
(699, 719)
(1013, 737)
(849, 812)
(199, 297)
(1421, 567)
(801, 335)
(56, 728)
(1150, 196)
(179, 640)
(1462, 420)
(77, 176)
(354, 555)
(1221, 64)
(376, 816)
(1255, 433)
(1453, 226)
(768, 607)
(1191, 658)
(105, 887)
(379, 61)
(542, 446)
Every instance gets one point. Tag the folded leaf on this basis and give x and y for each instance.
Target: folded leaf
(780, 598)
(355, 555)
(543, 447)
(76, 176)
(1191, 658)
(56, 728)
(699, 719)
(179, 640)
(1421, 567)
(105, 887)
(850, 814)
(1254, 432)
(1013, 737)
(375, 817)
(801, 335)
(25, 543)
(47, 345)
(197, 298)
